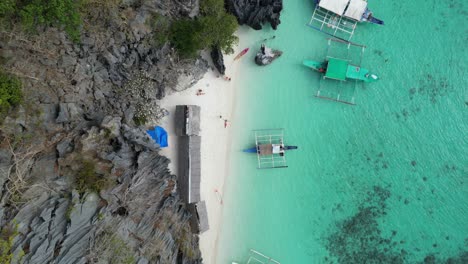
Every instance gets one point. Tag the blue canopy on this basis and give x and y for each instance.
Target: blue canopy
(159, 135)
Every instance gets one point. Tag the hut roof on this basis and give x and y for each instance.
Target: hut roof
(199, 219)
(189, 168)
(187, 121)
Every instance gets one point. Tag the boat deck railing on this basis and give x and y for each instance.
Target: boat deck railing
(259, 258)
(270, 136)
(341, 91)
(332, 24)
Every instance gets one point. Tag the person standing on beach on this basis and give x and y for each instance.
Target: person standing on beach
(226, 123)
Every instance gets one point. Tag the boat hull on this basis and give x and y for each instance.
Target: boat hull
(315, 65)
(353, 72)
(254, 149)
(242, 53)
(362, 74)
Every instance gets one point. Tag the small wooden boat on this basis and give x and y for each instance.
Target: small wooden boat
(270, 148)
(242, 53)
(273, 146)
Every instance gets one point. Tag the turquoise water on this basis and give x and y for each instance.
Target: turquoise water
(384, 181)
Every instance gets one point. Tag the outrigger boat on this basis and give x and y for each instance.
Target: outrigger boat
(276, 148)
(256, 257)
(270, 148)
(339, 18)
(341, 69)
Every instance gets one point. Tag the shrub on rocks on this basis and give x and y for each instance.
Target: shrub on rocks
(31, 14)
(89, 180)
(10, 93)
(214, 27)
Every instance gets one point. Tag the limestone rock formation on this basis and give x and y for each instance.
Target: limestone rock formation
(78, 123)
(256, 12)
(218, 61)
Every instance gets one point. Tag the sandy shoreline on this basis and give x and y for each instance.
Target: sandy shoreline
(217, 104)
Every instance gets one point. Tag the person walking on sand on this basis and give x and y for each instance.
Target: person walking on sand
(226, 123)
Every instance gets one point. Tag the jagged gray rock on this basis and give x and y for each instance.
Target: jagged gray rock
(255, 13)
(68, 112)
(218, 61)
(87, 96)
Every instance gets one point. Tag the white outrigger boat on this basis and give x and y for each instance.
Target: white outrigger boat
(339, 18)
(270, 148)
(256, 257)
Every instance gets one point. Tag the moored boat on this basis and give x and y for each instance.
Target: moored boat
(339, 69)
(270, 148)
(339, 18)
(242, 53)
(255, 149)
(345, 69)
(353, 9)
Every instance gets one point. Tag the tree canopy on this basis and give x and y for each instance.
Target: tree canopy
(33, 13)
(214, 27)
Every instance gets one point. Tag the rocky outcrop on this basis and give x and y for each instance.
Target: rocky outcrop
(218, 61)
(257, 12)
(117, 69)
(138, 216)
(266, 55)
(78, 118)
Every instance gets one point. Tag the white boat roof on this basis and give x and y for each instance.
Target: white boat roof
(355, 9)
(335, 6)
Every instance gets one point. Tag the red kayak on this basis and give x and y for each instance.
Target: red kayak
(242, 53)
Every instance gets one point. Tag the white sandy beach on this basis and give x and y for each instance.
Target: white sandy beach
(218, 100)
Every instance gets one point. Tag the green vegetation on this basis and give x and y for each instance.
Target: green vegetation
(10, 93)
(140, 119)
(214, 27)
(184, 37)
(99, 13)
(6, 243)
(110, 248)
(88, 180)
(160, 25)
(7, 7)
(69, 211)
(33, 13)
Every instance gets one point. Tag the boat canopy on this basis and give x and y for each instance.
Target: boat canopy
(336, 69)
(356, 9)
(336, 6)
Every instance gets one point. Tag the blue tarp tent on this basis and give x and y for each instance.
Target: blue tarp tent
(159, 135)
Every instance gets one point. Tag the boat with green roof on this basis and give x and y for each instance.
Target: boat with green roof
(343, 67)
(340, 69)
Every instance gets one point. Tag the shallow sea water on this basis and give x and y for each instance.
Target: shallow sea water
(384, 181)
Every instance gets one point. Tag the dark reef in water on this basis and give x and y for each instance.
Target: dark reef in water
(432, 87)
(358, 239)
(462, 258)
